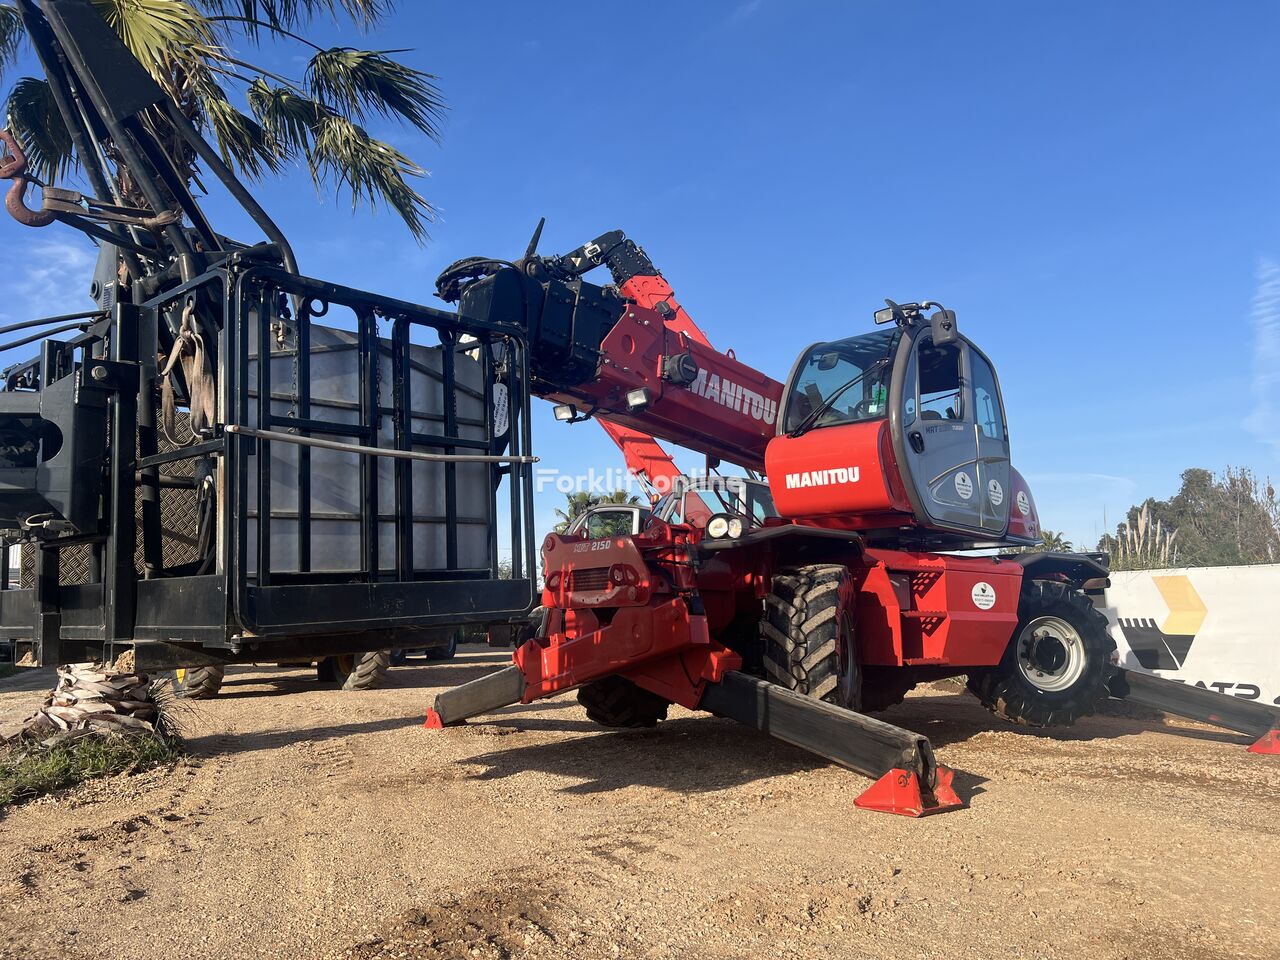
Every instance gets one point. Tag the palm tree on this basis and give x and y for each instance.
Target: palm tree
(191, 48)
(1054, 541)
(581, 501)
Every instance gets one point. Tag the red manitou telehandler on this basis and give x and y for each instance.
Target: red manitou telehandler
(798, 603)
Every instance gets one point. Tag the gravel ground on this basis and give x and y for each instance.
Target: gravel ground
(311, 823)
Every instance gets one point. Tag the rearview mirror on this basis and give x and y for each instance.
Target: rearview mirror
(943, 327)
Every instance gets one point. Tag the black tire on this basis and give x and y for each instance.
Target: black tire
(808, 639)
(445, 651)
(1044, 680)
(534, 627)
(617, 702)
(197, 683)
(357, 671)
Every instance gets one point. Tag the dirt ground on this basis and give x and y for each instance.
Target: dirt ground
(311, 823)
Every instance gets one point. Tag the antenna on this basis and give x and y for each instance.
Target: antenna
(533, 241)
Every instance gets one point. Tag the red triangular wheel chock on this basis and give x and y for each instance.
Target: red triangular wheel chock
(433, 721)
(899, 791)
(1270, 743)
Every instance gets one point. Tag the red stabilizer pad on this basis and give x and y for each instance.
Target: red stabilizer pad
(433, 721)
(899, 792)
(1268, 744)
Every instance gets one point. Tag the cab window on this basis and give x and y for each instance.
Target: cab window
(986, 399)
(846, 381)
(940, 395)
(609, 523)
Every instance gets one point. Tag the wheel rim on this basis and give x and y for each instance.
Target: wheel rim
(1051, 654)
(345, 663)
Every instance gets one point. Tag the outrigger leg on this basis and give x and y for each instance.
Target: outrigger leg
(1197, 703)
(909, 781)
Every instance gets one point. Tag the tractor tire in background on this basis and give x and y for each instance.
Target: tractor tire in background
(617, 702)
(446, 651)
(808, 639)
(356, 671)
(1056, 667)
(196, 683)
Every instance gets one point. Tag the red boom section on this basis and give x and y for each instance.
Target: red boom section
(709, 401)
(643, 454)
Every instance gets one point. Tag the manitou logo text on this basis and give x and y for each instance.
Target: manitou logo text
(735, 396)
(822, 478)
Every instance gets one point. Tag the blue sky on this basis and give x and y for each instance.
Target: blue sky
(1094, 187)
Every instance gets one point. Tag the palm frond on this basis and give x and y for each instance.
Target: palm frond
(34, 119)
(11, 34)
(339, 150)
(159, 33)
(292, 13)
(374, 171)
(287, 118)
(363, 82)
(241, 138)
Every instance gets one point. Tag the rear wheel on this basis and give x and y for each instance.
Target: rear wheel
(356, 671)
(445, 651)
(617, 702)
(196, 683)
(808, 635)
(1057, 665)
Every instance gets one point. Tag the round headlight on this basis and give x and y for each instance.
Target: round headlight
(718, 527)
(735, 528)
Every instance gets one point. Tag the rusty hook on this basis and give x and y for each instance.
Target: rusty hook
(13, 166)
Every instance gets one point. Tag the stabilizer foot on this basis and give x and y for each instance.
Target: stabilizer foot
(1269, 744)
(900, 792)
(433, 721)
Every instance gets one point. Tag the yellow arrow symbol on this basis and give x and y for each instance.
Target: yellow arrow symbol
(1186, 610)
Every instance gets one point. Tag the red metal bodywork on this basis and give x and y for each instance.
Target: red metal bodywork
(847, 472)
(641, 608)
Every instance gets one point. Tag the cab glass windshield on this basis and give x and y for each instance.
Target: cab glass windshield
(843, 381)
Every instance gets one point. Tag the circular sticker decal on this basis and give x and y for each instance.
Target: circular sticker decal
(995, 492)
(964, 485)
(984, 595)
(1024, 503)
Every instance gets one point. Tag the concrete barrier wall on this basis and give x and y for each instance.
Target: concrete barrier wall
(1215, 627)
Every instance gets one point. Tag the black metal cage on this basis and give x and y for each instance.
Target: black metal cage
(365, 481)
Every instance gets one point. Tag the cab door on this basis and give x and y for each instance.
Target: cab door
(940, 432)
(992, 437)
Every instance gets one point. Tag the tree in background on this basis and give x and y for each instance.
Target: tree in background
(1054, 541)
(274, 121)
(1213, 520)
(581, 501)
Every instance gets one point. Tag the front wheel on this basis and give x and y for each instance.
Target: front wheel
(356, 671)
(1056, 667)
(617, 702)
(808, 632)
(196, 683)
(446, 651)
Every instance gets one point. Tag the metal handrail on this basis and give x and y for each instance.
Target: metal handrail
(274, 436)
